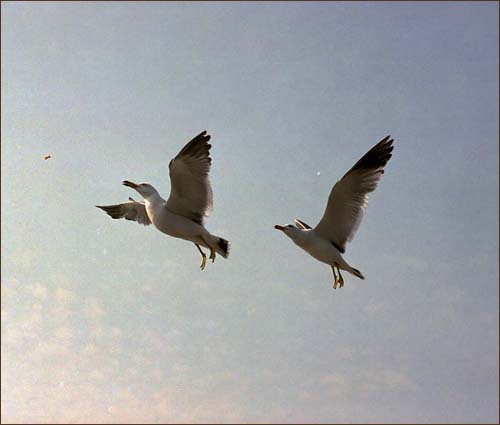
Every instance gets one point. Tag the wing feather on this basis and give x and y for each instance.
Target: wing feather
(190, 190)
(349, 196)
(302, 225)
(134, 211)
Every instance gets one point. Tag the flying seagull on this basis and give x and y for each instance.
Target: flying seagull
(344, 211)
(190, 200)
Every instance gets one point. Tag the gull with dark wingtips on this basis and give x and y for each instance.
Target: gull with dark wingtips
(190, 201)
(346, 204)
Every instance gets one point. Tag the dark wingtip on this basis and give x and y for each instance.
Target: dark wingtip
(377, 156)
(198, 145)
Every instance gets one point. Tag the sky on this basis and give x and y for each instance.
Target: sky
(109, 321)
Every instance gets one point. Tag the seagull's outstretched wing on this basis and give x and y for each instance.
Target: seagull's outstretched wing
(349, 196)
(190, 191)
(133, 210)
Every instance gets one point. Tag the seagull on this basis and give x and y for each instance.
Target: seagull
(343, 214)
(190, 200)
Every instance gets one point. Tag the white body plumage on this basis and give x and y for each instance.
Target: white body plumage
(178, 226)
(318, 247)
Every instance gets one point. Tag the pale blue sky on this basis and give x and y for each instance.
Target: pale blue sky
(107, 321)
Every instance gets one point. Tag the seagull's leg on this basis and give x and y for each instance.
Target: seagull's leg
(341, 279)
(212, 251)
(335, 280)
(204, 257)
(212, 255)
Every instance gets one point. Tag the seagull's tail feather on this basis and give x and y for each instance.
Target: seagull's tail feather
(356, 273)
(223, 244)
(218, 244)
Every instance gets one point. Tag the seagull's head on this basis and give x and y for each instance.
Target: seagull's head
(144, 189)
(290, 230)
